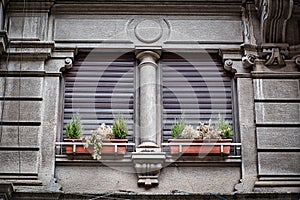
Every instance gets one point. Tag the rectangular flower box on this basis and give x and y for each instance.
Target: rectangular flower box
(79, 149)
(189, 147)
(106, 149)
(110, 149)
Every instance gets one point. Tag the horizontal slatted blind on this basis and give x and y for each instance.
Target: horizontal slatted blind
(100, 87)
(196, 87)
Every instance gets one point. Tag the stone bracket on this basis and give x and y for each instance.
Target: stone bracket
(231, 58)
(148, 166)
(249, 55)
(275, 54)
(3, 41)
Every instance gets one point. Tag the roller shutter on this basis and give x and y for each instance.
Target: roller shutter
(196, 87)
(100, 86)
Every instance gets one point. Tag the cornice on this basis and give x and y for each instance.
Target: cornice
(232, 8)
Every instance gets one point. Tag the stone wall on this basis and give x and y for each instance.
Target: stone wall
(36, 38)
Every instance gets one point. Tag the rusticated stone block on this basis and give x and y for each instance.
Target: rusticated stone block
(21, 111)
(274, 88)
(278, 113)
(273, 138)
(19, 161)
(33, 27)
(67, 29)
(24, 86)
(22, 135)
(17, 64)
(279, 163)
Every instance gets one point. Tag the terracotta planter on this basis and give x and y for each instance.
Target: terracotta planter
(79, 148)
(121, 149)
(193, 150)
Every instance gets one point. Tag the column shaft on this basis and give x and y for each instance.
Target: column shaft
(148, 94)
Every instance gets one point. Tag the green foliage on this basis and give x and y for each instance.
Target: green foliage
(224, 127)
(120, 129)
(178, 127)
(73, 128)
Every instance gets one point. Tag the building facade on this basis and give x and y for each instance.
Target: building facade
(152, 62)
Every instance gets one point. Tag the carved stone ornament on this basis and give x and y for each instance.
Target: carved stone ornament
(248, 60)
(275, 54)
(228, 66)
(68, 64)
(148, 165)
(274, 15)
(297, 60)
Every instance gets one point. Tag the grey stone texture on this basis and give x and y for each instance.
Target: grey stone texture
(278, 138)
(284, 113)
(276, 88)
(44, 33)
(279, 163)
(16, 111)
(20, 136)
(245, 95)
(22, 86)
(33, 27)
(189, 179)
(19, 161)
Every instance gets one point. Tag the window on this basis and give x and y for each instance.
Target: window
(100, 86)
(195, 87)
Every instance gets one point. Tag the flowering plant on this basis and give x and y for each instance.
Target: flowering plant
(96, 138)
(207, 131)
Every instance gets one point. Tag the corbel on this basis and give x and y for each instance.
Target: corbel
(274, 54)
(68, 64)
(297, 60)
(249, 55)
(231, 59)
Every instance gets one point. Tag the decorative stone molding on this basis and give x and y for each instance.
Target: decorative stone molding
(273, 19)
(3, 41)
(231, 59)
(148, 166)
(68, 64)
(148, 31)
(28, 50)
(275, 54)
(248, 60)
(228, 66)
(250, 54)
(297, 60)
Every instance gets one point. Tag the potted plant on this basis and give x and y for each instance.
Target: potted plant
(74, 134)
(101, 137)
(205, 133)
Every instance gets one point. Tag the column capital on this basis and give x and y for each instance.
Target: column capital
(148, 56)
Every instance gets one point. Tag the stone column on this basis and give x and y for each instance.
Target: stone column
(148, 95)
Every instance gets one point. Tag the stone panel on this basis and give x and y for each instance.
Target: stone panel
(205, 31)
(19, 161)
(276, 88)
(22, 65)
(22, 136)
(21, 111)
(278, 113)
(33, 27)
(274, 138)
(105, 179)
(279, 163)
(90, 29)
(29, 87)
